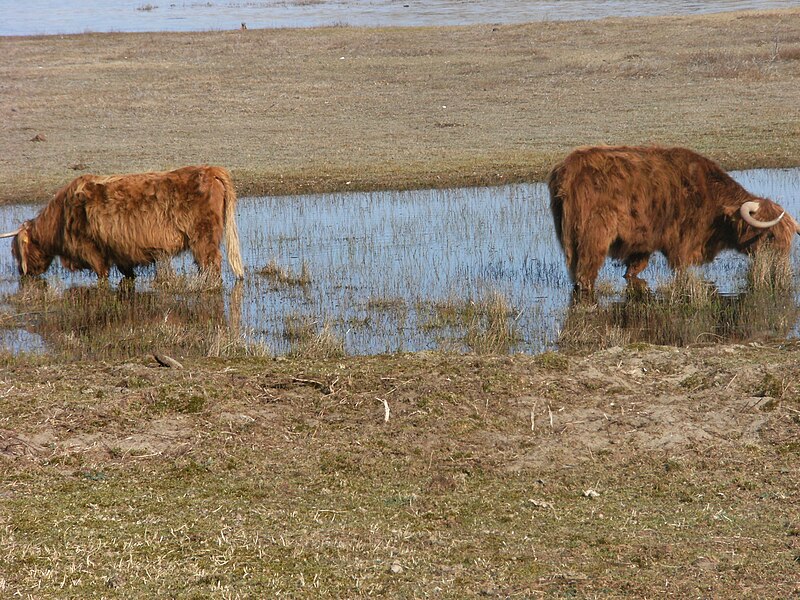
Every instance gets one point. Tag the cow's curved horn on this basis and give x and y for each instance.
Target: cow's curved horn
(747, 210)
(10, 233)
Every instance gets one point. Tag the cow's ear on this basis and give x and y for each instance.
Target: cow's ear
(731, 211)
(85, 190)
(23, 242)
(91, 188)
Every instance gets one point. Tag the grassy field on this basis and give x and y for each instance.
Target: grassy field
(636, 472)
(347, 108)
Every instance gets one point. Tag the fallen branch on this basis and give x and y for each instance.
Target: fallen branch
(385, 409)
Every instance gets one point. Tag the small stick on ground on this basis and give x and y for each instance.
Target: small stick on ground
(167, 361)
(385, 409)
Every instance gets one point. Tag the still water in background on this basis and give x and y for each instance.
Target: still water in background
(380, 263)
(35, 17)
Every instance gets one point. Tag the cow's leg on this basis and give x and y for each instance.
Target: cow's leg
(636, 263)
(208, 257)
(96, 262)
(590, 258)
(127, 272)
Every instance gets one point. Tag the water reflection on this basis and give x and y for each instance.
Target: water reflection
(101, 321)
(385, 272)
(666, 317)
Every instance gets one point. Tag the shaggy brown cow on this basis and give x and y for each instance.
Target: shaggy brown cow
(628, 202)
(130, 220)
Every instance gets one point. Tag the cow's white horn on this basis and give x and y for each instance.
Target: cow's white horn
(10, 233)
(747, 210)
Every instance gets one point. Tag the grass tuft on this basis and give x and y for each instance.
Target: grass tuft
(307, 340)
(284, 276)
(491, 329)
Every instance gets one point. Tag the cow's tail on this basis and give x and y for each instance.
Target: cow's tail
(562, 219)
(231, 232)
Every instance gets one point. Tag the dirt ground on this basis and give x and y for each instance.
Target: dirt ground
(642, 471)
(347, 108)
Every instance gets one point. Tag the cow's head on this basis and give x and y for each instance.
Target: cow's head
(761, 223)
(31, 260)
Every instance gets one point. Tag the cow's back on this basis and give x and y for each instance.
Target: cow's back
(645, 194)
(138, 218)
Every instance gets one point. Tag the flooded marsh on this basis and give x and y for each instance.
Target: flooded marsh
(366, 273)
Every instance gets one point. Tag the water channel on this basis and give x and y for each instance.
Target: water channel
(386, 268)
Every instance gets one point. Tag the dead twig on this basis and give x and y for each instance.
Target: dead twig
(325, 388)
(385, 409)
(167, 361)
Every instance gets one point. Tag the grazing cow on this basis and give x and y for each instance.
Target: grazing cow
(131, 220)
(628, 202)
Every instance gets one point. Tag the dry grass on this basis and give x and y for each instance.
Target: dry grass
(687, 288)
(310, 340)
(281, 275)
(259, 478)
(491, 328)
(484, 324)
(770, 272)
(355, 108)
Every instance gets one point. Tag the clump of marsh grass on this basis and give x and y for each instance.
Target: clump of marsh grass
(491, 329)
(687, 288)
(307, 340)
(591, 327)
(298, 327)
(225, 342)
(769, 272)
(387, 304)
(604, 287)
(485, 325)
(283, 276)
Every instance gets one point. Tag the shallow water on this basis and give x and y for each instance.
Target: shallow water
(381, 263)
(78, 16)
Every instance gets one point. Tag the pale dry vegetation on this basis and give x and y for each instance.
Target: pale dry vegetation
(356, 108)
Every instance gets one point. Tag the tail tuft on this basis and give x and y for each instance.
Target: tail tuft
(231, 231)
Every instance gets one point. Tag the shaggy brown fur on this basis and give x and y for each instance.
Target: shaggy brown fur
(130, 220)
(628, 202)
